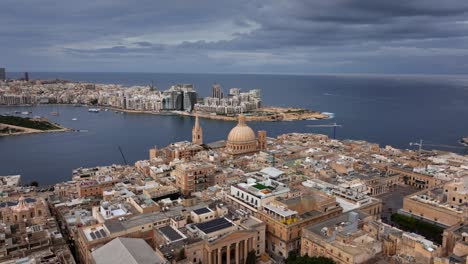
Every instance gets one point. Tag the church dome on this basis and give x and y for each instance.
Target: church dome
(241, 133)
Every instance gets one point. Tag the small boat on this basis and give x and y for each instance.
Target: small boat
(55, 113)
(25, 113)
(94, 110)
(74, 119)
(106, 109)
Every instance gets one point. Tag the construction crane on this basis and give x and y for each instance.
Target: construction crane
(333, 125)
(420, 146)
(121, 152)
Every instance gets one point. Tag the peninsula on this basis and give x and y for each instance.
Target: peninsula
(265, 114)
(180, 99)
(15, 125)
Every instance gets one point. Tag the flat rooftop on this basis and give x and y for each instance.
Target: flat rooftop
(201, 211)
(171, 234)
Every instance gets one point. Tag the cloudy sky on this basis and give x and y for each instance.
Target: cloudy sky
(277, 36)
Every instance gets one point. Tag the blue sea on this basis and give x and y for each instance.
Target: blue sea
(389, 110)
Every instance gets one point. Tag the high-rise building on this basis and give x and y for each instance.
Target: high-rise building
(26, 76)
(194, 176)
(217, 91)
(197, 132)
(2, 74)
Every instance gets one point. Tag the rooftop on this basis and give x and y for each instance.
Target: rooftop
(126, 250)
(214, 225)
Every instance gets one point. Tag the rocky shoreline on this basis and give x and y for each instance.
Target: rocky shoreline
(272, 114)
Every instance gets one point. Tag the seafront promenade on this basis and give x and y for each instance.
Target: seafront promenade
(179, 99)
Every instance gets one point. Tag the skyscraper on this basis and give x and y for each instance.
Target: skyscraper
(2, 74)
(217, 91)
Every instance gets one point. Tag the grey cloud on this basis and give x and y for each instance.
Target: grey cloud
(350, 35)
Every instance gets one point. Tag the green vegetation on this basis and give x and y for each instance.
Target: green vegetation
(411, 224)
(297, 111)
(181, 254)
(295, 259)
(27, 123)
(261, 186)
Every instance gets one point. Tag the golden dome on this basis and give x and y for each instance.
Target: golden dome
(241, 133)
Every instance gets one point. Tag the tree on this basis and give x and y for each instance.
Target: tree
(181, 255)
(294, 259)
(251, 257)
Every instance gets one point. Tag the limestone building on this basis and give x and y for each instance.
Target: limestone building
(24, 210)
(194, 176)
(285, 218)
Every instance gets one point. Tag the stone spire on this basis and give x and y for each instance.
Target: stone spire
(197, 132)
(241, 120)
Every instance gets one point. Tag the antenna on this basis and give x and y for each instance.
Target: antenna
(332, 125)
(125, 161)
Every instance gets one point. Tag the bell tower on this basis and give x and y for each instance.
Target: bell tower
(197, 132)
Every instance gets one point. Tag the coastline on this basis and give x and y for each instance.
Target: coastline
(17, 129)
(265, 114)
(28, 131)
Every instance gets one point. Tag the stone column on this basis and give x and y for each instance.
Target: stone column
(209, 257)
(237, 252)
(228, 254)
(246, 249)
(220, 256)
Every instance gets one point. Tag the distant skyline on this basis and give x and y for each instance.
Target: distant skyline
(285, 36)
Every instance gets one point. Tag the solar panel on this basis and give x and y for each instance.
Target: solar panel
(98, 234)
(93, 236)
(214, 225)
(201, 211)
(170, 233)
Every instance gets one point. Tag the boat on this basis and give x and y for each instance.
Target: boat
(74, 119)
(106, 109)
(330, 115)
(25, 113)
(94, 110)
(55, 113)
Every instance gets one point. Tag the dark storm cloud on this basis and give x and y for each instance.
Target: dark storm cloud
(263, 36)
